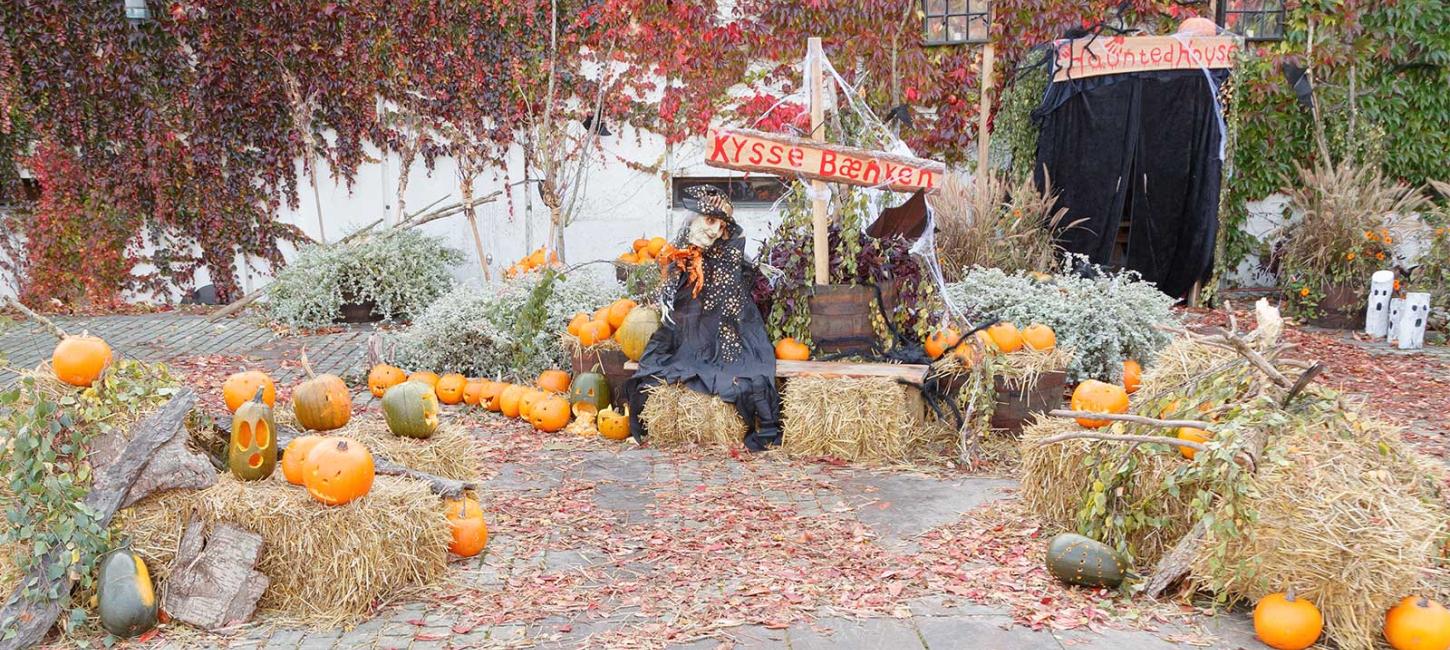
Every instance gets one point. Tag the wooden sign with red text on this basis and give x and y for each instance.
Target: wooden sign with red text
(756, 151)
(1091, 57)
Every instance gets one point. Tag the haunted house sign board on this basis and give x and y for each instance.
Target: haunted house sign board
(1133, 145)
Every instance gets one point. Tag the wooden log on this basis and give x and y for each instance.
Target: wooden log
(173, 466)
(44, 322)
(214, 582)
(34, 619)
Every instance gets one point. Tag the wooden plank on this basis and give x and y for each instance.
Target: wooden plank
(1092, 56)
(749, 150)
(913, 373)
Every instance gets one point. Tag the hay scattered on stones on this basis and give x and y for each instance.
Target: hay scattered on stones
(675, 415)
(328, 565)
(451, 452)
(870, 420)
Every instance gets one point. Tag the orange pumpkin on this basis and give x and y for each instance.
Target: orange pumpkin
(618, 311)
(508, 400)
(473, 392)
(488, 398)
(1194, 435)
(551, 414)
(612, 424)
(554, 381)
(1005, 336)
(1098, 397)
(594, 332)
(656, 245)
(1418, 623)
(450, 388)
(338, 470)
(321, 403)
(577, 323)
(470, 533)
(1132, 376)
(601, 314)
(629, 258)
(942, 340)
(789, 349)
(426, 376)
(382, 377)
(527, 401)
(1039, 337)
(294, 457)
(80, 360)
(241, 387)
(641, 244)
(1287, 623)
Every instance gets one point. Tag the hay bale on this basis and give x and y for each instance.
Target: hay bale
(1351, 518)
(873, 419)
(328, 565)
(451, 452)
(675, 415)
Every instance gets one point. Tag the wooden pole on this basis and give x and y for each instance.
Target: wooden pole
(984, 110)
(819, 224)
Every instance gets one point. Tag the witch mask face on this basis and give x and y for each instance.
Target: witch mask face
(705, 231)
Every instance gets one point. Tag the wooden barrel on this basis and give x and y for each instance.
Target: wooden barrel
(1342, 308)
(841, 318)
(1015, 406)
(608, 362)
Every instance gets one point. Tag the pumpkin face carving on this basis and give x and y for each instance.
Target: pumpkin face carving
(241, 387)
(450, 388)
(1098, 397)
(252, 454)
(1287, 623)
(473, 392)
(382, 377)
(612, 424)
(470, 533)
(527, 401)
(636, 330)
(80, 360)
(125, 598)
(411, 410)
(551, 414)
(590, 388)
(488, 396)
(338, 470)
(294, 458)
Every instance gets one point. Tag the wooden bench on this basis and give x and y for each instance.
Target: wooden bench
(914, 374)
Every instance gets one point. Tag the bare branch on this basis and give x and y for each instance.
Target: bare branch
(1134, 419)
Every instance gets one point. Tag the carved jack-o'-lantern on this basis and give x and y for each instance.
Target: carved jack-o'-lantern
(252, 454)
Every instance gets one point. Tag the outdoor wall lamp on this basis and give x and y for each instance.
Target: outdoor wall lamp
(137, 12)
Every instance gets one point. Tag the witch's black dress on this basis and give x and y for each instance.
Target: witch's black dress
(715, 343)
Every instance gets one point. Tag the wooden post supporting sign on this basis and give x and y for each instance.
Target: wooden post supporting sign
(819, 224)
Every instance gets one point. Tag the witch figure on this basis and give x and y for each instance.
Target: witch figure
(711, 337)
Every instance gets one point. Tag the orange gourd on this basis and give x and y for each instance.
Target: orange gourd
(641, 244)
(338, 470)
(241, 387)
(470, 533)
(1098, 397)
(612, 424)
(450, 388)
(554, 381)
(1039, 337)
(789, 349)
(80, 360)
(550, 414)
(618, 311)
(426, 376)
(508, 400)
(294, 457)
(1418, 623)
(1132, 376)
(577, 323)
(382, 377)
(1194, 435)
(1287, 623)
(1005, 337)
(656, 246)
(942, 340)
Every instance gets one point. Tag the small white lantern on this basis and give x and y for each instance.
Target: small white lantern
(1377, 313)
(1413, 318)
(1397, 307)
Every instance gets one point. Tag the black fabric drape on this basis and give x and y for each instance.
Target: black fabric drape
(1141, 145)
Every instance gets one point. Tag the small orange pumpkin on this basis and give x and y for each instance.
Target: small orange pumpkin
(470, 533)
(241, 387)
(577, 323)
(80, 360)
(1039, 337)
(1194, 435)
(554, 381)
(1132, 376)
(1418, 623)
(531, 397)
(508, 400)
(612, 424)
(551, 414)
(656, 246)
(426, 376)
(488, 398)
(294, 457)
(641, 244)
(789, 349)
(338, 470)
(594, 332)
(321, 403)
(1005, 336)
(450, 388)
(1287, 623)
(382, 377)
(473, 392)
(618, 311)
(1098, 397)
(942, 340)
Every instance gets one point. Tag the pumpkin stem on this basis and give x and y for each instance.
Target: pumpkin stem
(1289, 595)
(306, 365)
(260, 391)
(1423, 603)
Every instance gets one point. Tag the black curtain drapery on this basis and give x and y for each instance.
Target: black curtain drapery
(1142, 146)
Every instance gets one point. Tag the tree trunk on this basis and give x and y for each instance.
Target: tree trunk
(214, 582)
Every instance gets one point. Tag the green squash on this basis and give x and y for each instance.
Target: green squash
(126, 599)
(636, 330)
(1078, 560)
(252, 454)
(590, 388)
(411, 409)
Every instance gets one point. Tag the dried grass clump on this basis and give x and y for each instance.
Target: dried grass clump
(873, 420)
(327, 565)
(1347, 515)
(988, 222)
(451, 452)
(675, 415)
(573, 348)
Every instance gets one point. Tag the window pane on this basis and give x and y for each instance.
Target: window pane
(936, 7)
(957, 28)
(958, 6)
(979, 6)
(936, 29)
(979, 28)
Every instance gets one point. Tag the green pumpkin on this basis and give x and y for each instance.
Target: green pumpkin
(411, 409)
(252, 454)
(1078, 560)
(590, 388)
(126, 599)
(635, 332)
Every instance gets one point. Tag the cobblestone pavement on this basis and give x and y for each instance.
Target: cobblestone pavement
(622, 487)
